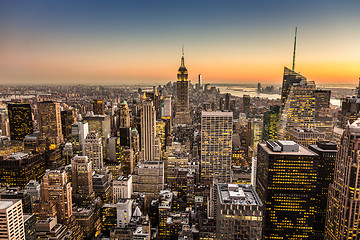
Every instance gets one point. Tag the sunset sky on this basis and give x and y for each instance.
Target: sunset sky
(139, 42)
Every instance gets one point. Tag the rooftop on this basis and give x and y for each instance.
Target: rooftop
(242, 194)
(18, 155)
(4, 204)
(288, 144)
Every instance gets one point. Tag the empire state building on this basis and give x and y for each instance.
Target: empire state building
(182, 115)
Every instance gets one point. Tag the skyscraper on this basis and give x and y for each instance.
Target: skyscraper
(148, 129)
(67, 118)
(20, 120)
(182, 114)
(11, 220)
(166, 113)
(4, 125)
(342, 215)
(216, 145)
(289, 79)
(327, 154)
(299, 107)
(350, 111)
(239, 212)
(246, 105)
(322, 99)
(98, 107)
(124, 115)
(19, 168)
(306, 137)
(271, 120)
(94, 151)
(286, 176)
(227, 101)
(81, 175)
(55, 189)
(49, 121)
(79, 131)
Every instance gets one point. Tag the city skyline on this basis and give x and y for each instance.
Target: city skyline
(140, 43)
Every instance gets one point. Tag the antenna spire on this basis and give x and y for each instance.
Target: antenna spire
(293, 65)
(182, 58)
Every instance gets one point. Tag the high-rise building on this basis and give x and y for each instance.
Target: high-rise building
(11, 220)
(271, 120)
(239, 212)
(182, 114)
(286, 178)
(122, 188)
(342, 215)
(350, 111)
(290, 78)
(325, 176)
(216, 145)
(148, 178)
(254, 131)
(19, 168)
(99, 124)
(33, 189)
(79, 131)
(94, 151)
(98, 107)
(166, 113)
(148, 130)
(81, 175)
(49, 121)
(299, 107)
(20, 120)
(322, 99)
(67, 119)
(4, 125)
(55, 189)
(246, 105)
(124, 115)
(227, 101)
(306, 137)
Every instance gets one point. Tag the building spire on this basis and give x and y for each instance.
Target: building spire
(182, 58)
(293, 65)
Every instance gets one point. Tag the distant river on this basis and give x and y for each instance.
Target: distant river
(240, 90)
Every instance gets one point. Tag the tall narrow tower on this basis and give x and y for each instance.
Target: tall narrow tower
(49, 121)
(343, 204)
(216, 147)
(297, 101)
(148, 129)
(182, 115)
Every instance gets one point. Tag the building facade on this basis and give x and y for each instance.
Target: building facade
(342, 215)
(182, 114)
(239, 212)
(11, 220)
(148, 130)
(20, 120)
(49, 121)
(286, 178)
(216, 145)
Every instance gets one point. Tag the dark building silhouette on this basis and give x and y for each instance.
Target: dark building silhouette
(98, 107)
(286, 183)
(20, 120)
(325, 176)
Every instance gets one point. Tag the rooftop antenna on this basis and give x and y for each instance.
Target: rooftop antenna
(183, 50)
(293, 65)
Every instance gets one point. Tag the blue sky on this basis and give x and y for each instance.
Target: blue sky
(226, 41)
